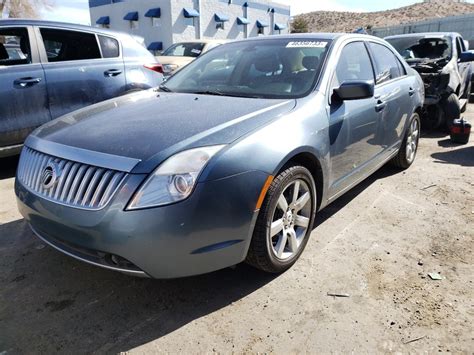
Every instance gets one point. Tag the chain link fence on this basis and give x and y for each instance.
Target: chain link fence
(463, 24)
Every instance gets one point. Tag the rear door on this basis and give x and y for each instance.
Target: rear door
(23, 96)
(81, 68)
(393, 95)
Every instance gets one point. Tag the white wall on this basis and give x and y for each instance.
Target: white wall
(174, 27)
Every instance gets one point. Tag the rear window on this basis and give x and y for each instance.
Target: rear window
(386, 63)
(109, 46)
(64, 45)
(184, 50)
(14, 46)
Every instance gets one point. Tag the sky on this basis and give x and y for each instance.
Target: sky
(78, 11)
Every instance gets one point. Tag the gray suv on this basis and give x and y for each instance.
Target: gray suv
(49, 69)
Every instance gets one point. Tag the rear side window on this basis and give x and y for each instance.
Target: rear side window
(386, 63)
(64, 45)
(14, 46)
(354, 64)
(109, 46)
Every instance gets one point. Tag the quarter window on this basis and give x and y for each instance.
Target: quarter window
(14, 46)
(63, 45)
(386, 63)
(354, 64)
(109, 46)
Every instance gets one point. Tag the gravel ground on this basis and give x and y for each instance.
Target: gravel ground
(376, 244)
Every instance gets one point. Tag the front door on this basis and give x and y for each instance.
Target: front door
(23, 95)
(352, 123)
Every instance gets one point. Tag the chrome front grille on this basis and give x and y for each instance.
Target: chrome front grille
(78, 185)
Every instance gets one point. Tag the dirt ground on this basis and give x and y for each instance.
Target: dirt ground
(377, 244)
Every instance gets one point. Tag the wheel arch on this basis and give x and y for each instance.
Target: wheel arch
(310, 161)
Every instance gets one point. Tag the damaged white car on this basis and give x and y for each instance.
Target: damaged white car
(443, 61)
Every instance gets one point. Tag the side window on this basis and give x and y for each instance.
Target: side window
(110, 47)
(64, 45)
(401, 68)
(14, 46)
(386, 63)
(354, 64)
(459, 45)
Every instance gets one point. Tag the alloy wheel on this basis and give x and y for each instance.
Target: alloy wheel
(412, 141)
(290, 220)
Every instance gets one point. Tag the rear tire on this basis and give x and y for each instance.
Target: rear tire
(407, 153)
(452, 109)
(285, 221)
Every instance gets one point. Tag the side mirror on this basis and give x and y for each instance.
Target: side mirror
(355, 90)
(467, 56)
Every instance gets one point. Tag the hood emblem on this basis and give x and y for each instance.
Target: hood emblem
(50, 175)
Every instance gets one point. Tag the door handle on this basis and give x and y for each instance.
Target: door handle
(112, 72)
(411, 92)
(380, 106)
(26, 82)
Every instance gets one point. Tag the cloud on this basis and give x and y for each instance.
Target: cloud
(73, 12)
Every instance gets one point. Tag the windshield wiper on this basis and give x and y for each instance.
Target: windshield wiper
(165, 88)
(209, 92)
(220, 93)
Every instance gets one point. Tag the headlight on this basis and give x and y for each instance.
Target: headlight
(173, 180)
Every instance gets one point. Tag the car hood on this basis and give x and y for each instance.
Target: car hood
(179, 61)
(151, 126)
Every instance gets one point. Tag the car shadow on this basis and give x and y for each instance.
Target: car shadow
(433, 134)
(462, 156)
(53, 303)
(8, 167)
(345, 199)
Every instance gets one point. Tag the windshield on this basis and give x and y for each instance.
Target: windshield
(184, 50)
(421, 47)
(271, 68)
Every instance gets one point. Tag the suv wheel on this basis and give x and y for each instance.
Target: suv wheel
(285, 221)
(452, 109)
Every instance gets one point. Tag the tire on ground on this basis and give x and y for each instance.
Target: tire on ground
(400, 160)
(260, 254)
(451, 108)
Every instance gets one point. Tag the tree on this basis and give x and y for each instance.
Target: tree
(299, 25)
(24, 8)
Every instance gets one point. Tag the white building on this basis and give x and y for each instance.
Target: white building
(164, 22)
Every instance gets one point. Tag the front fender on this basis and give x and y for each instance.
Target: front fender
(304, 130)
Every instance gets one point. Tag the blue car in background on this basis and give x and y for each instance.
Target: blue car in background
(228, 161)
(49, 69)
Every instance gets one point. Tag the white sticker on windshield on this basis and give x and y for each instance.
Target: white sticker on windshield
(307, 44)
(196, 51)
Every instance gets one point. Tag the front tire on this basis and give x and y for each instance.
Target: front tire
(407, 153)
(285, 221)
(452, 109)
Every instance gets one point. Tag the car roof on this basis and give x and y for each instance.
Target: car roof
(426, 34)
(316, 36)
(30, 22)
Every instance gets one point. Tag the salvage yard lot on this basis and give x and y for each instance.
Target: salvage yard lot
(377, 244)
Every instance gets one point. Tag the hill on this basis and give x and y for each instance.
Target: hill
(333, 21)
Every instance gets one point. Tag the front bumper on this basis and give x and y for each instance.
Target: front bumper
(210, 230)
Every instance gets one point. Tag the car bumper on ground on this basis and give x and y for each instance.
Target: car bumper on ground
(210, 230)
